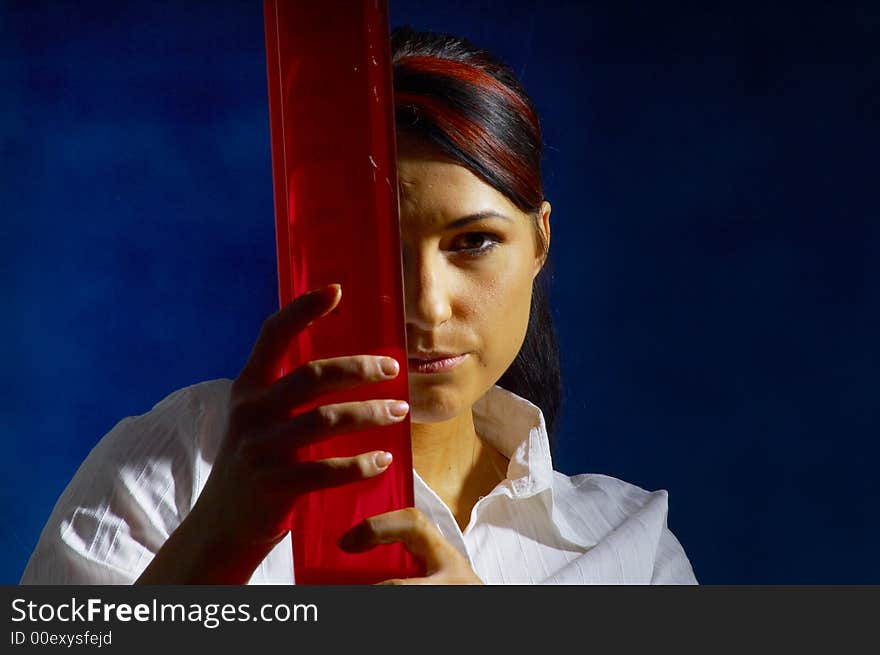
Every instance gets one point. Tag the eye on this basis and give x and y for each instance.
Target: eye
(475, 244)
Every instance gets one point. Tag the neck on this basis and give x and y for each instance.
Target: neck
(452, 459)
(443, 453)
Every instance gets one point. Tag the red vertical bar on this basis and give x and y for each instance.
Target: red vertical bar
(335, 182)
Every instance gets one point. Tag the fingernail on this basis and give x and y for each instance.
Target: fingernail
(328, 292)
(398, 408)
(333, 290)
(382, 460)
(390, 367)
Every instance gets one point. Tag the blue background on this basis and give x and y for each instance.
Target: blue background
(712, 170)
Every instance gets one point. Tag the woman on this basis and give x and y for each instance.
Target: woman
(198, 489)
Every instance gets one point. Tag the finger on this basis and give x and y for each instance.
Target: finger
(279, 329)
(309, 382)
(319, 377)
(409, 526)
(304, 477)
(327, 421)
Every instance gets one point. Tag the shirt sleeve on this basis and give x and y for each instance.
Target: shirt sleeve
(671, 565)
(128, 496)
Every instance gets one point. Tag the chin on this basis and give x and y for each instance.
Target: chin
(435, 405)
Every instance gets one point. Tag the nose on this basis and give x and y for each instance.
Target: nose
(426, 290)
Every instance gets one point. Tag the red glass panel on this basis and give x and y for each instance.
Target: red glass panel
(336, 213)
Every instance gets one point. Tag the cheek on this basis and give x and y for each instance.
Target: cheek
(502, 312)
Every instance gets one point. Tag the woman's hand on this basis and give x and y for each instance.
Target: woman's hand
(444, 564)
(243, 510)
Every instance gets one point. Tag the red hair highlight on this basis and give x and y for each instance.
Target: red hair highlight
(471, 74)
(472, 137)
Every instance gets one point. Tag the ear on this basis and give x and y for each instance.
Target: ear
(543, 225)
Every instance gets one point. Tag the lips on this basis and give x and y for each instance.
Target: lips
(427, 363)
(431, 356)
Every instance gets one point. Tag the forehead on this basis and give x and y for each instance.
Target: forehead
(434, 188)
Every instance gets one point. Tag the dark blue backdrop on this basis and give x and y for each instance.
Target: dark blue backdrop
(715, 245)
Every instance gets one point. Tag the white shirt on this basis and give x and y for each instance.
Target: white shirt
(537, 526)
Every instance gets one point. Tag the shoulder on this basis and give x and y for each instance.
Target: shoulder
(609, 492)
(182, 421)
(165, 446)
(597, 504)
(170, 438)
(601, 510)
(132, 490)
(187, 405)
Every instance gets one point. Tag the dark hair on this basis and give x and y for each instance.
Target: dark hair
(469, 104)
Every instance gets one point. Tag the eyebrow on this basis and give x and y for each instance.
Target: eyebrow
(472, 218)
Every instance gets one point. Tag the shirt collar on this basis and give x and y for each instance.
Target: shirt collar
(515, 427)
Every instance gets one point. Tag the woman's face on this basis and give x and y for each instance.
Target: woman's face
(469, 259)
